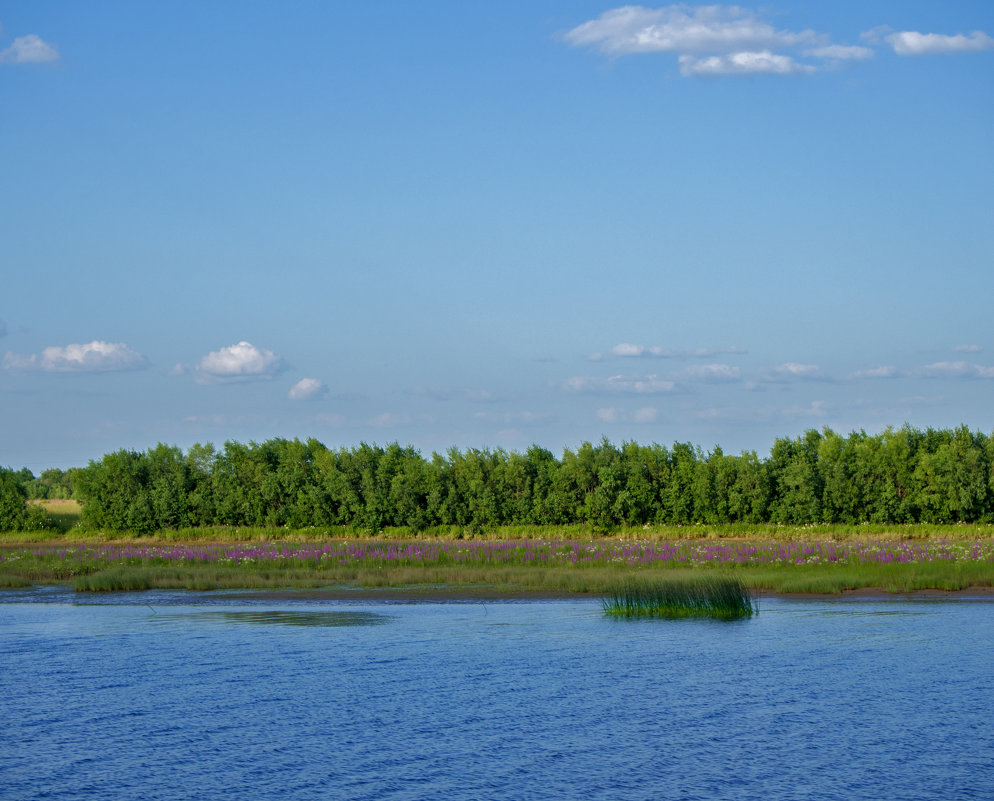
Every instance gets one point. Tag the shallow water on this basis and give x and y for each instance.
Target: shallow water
(193, 695)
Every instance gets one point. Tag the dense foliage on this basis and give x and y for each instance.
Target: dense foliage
(15, 513)
(898, 476)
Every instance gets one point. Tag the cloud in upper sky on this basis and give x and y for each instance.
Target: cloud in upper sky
(913, 43)
(713, 40)
(796, 370)
(240, 362)
(841, 52)
(712, 372)
(884, 371)
(308, 389)
(647, 414)
(627, 350)
(723, 40)
(92, 357)
(968, 349)
(619, 384)
(762, 62)
(958, 369)
(30, 49)
(684, 29)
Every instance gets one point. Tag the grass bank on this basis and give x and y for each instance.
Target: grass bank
(558, 566)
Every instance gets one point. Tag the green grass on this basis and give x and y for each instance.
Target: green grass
(64, 524)
(23, 568)
(716, 597)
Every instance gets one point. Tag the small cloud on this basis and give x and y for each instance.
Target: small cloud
(840, 52)
(712, 372)
(619, 384)
(307, 389)
(913, 43)
(387, 419)
(647, 414)
(886, 371)
(627, 350)
(762, 62)
(179, 369)
(709, 352)
(796, 370)
(816, 408)
(240, 362)
(30, 49)
(611, 415)
(681, 29)
(944, 370)
(968, 349)
(983, 372)
(92, 357)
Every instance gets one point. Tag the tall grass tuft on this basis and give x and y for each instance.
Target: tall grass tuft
(718, 597)
(119, 580)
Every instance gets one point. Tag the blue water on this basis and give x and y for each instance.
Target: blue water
(186, 695)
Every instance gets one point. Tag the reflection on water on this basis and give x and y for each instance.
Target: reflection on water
(281, 618)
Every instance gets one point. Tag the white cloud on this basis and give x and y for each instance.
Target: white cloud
(795, 370)
(840, 52)
(92, 357)
(712, 372)
(913, 43)
(610, 415)
(683, 29)
(240, 362)
(629, 351)
(944, 370)
(957, 369)
(647, 414)
(29, 49)
(307, 389)
(818, 408)
(886, 371)
(762, 62)
(968, 349)
(619, 384)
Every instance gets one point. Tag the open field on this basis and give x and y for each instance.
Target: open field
(555, 565)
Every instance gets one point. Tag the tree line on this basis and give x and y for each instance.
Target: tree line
(901, 475)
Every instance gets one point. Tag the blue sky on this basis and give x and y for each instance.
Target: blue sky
(491, 225)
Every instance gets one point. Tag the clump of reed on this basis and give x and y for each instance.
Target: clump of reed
(717, 597)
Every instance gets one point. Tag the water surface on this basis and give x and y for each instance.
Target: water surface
(190, 695)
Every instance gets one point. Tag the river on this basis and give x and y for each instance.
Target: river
(173, 695)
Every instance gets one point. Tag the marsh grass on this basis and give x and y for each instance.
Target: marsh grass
(596, 567)
(716, 597)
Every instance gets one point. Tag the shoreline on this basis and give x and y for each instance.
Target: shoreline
(469, 594)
